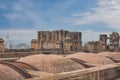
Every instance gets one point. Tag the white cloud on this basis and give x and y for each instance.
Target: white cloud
(2, 6)
(13, 16)
(19, 36)
(107, 11)
(18, 9)
(22, 12)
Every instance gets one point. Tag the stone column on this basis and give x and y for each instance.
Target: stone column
(41, 40)
(59, 36)
(103, 42)
(79, 41)
(52, 36)
(56, 36)
(39, 35)
(2, 48)
(114, 41)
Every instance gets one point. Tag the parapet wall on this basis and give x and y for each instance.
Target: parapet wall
(105, 72)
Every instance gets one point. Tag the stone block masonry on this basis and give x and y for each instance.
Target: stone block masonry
(2, 45)
(58, 40)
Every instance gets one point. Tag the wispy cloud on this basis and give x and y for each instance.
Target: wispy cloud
(22, 14)
(19, 36)
(2, 6)
(107, 12)
(18, 8)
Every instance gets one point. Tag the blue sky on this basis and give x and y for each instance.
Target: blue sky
(23, 18)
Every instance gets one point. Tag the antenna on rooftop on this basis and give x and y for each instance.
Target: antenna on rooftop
(8, 41)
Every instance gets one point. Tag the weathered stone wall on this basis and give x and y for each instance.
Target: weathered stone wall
(72, 41)
(103, 42)
(93, 46)
(60, 39)
(114, 41)
(34, 44)
(97, 46)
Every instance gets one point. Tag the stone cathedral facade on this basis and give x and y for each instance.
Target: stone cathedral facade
(58, 40)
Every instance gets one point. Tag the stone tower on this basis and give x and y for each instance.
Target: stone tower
(103, 42)
(114, 41)
(34, 44)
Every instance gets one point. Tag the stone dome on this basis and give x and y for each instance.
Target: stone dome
(91, 58)
(25, 65)
(112, 55)
(52, 63)
(7, 73)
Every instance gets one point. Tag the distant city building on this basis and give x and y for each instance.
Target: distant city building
(58, 40)
(20, 46)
